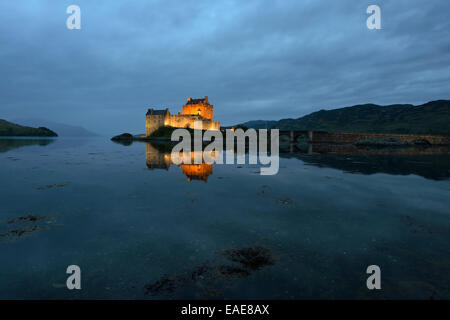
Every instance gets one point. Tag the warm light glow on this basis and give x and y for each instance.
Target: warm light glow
(194, 110)
(158, 160)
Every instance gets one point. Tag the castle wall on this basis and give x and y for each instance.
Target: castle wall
(187, 121)
(153, 122)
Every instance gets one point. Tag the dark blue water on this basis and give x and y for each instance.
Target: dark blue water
(140, 228)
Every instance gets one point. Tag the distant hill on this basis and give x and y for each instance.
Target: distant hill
(260, 124)
(64, 130)
(430, 118)
(11, 129)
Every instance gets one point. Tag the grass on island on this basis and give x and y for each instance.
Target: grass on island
(166, 132)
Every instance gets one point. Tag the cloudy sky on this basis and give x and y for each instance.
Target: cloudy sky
(255, 59)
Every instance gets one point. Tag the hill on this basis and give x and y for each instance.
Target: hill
(64, 130)
(8, 129)
(429, 118)
(260, 124)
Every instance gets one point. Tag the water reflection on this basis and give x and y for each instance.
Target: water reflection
(323, 224)
(7, 144)
(158, 156)
(431, 162)
(428, 162)
(351, 149)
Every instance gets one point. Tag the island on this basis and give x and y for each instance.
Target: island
(9, 129)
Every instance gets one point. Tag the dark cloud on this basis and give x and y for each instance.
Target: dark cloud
(255, 59)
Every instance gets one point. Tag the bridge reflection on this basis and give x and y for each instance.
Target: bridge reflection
(353, 149)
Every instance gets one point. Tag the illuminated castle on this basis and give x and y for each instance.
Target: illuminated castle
(193, 110)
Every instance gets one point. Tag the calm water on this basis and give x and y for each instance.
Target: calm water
(141, 228)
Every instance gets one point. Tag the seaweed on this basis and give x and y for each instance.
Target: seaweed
(21, 226)
(251, 258)
(243, 261)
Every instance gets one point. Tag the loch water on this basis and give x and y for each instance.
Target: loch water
(140, 227)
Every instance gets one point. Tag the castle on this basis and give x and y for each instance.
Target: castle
(193, 110)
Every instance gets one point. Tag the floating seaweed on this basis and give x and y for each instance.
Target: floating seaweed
(243, 261)
(28, 218)
(50, 186)
(416, 227)
(284, 201)
(251, 258)
(18, 233)
(163, 285)
(22, 226)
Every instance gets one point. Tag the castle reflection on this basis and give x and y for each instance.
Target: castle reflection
(156, 157)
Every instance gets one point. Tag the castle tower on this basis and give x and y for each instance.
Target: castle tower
(199, 107)
(155, 119)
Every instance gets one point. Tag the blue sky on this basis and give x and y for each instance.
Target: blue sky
(255, 59)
